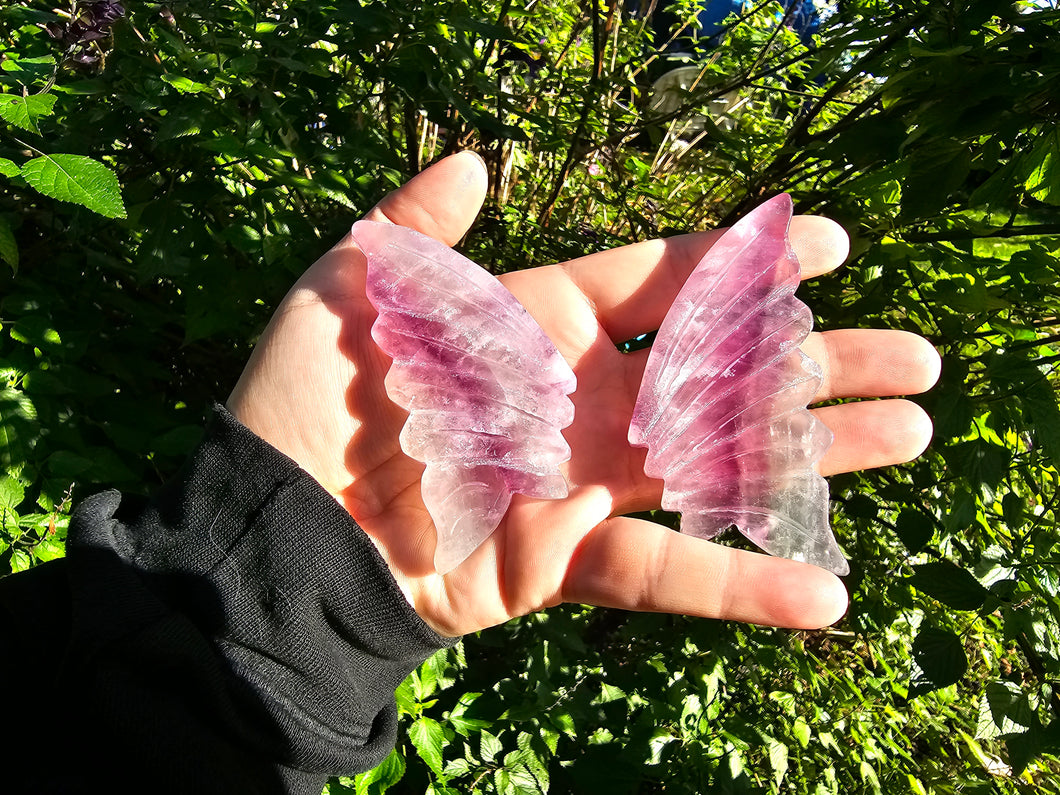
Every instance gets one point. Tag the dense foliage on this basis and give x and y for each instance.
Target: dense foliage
(167, 170)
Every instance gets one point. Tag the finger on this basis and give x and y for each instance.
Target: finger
(872, 363)
(821, 244)
(853, 362)
(631, 288)
(441, 202)
(637, 565)
(871, 434)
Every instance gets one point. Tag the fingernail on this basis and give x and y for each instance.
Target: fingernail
(480, 158)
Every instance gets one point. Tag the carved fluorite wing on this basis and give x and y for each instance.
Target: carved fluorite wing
(722, 405)
(485, 388)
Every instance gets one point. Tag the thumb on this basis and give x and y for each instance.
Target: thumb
(440, 202)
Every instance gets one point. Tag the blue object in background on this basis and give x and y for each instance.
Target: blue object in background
(710, 27)
(805, 20)
(712, 14)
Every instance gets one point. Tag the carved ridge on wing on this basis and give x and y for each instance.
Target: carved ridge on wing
(722, 407)
(689, 311)
(503, 355)
(697, 385)
(724, 432)
(489, 308)
(486, 390)
(708, 345)
(417, 372)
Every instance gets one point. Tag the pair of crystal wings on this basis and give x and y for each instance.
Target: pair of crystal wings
(721, 408)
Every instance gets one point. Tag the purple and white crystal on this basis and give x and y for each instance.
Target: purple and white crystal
(485, 388)
(722, 405)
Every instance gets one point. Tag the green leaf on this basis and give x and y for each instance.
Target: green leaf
(20, 560)
(1003, 709)
(18, 428)
(950, 584)
(962, 513)
(49, 549)
(68, 466)
(868, 776)
(383, 776)
(459, 718)
(77, 179)
(980, 463)
(243, 64)
(786, 700)
(11, 492)
(1013, 508)
(38, 331)
(1022, 748)
(531, 749)
(1043, 182)
(185, 85)
(455, 768)
(10, 520)
(8, 168)
(179, 441)
(778, 760)
(8, 246)
(29, 70)
(608, 693)
(179, 126)
(935, 172)
(950, 408)
(425, 678)
(1043, 415)
(1030, 625)
(515, 778)
(427, 736)
(24, 111)
(405, 698)
(938, 661)
(489, 746)
(915, 528)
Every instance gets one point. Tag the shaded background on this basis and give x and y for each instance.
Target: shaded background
(247, 136)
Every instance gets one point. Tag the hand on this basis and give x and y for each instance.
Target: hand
(313, 388)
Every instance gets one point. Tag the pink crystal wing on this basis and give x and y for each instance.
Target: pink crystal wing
(485, 388)
(722, 404)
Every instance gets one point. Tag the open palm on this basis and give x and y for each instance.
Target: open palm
(314, 390)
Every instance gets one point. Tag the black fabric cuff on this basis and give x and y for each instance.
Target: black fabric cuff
(286, 622)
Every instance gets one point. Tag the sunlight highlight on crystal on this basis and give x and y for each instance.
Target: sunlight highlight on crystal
(722, 404)
(486, 390)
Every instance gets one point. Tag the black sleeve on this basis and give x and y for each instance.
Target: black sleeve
(237, 633)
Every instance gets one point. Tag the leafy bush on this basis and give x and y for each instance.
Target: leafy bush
(167, 171)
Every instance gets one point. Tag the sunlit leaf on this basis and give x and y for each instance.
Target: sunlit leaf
(489, 746)
(1003, 709)
(77, 179)
(24, 111)
(12, 492)
(18, 428)
(428, 738)
(383, 776)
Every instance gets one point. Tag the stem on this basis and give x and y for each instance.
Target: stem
(591, 97)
